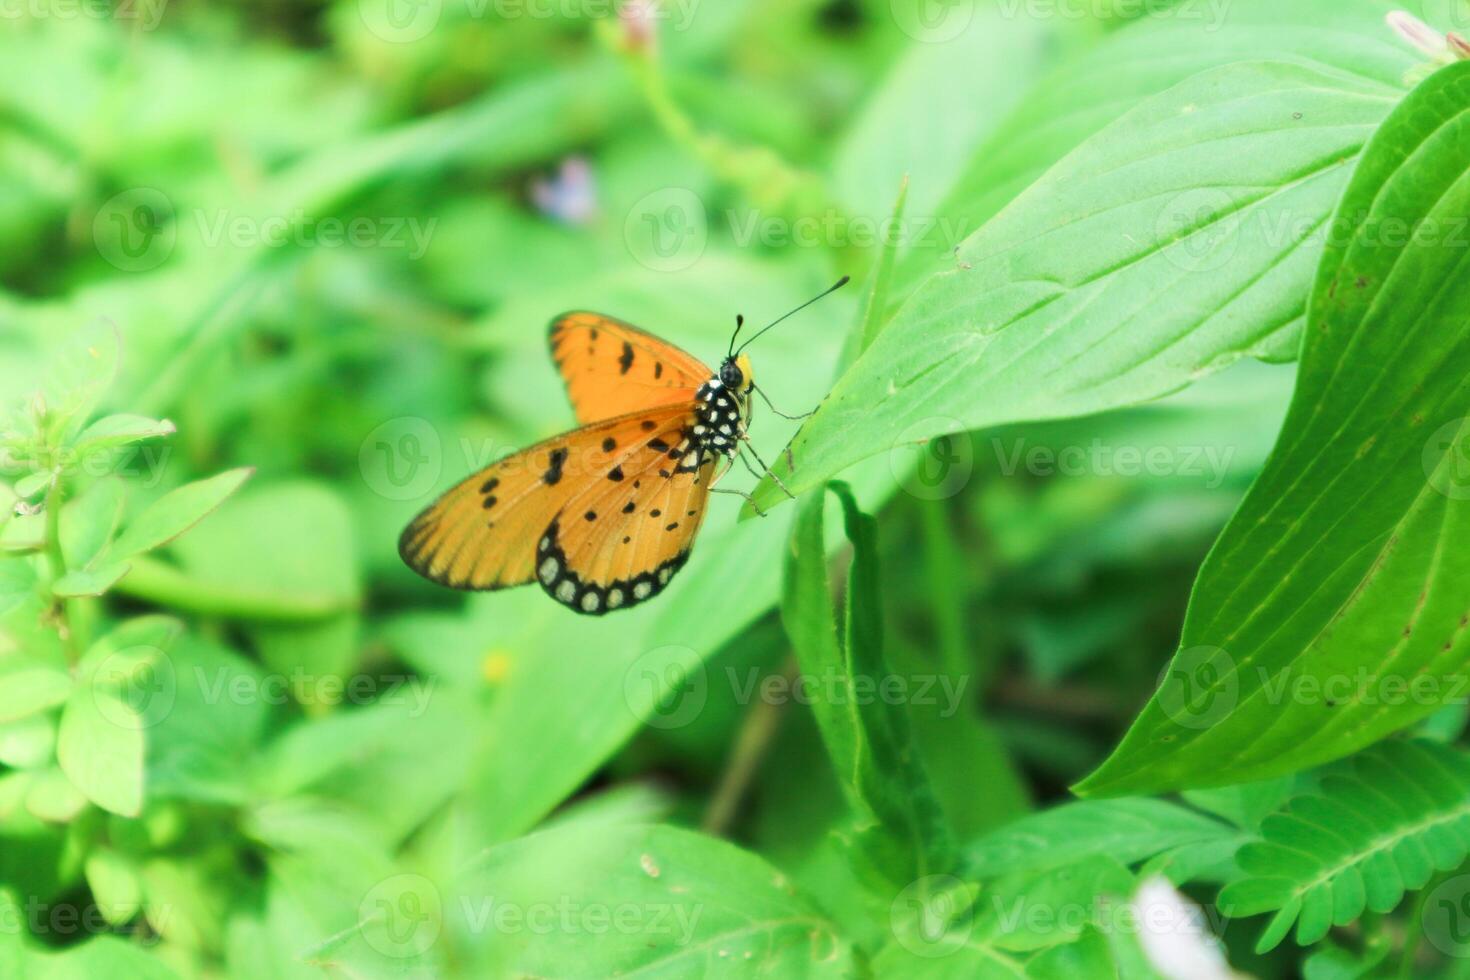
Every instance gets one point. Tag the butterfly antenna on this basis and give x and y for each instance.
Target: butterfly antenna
(830, 289)
(739, 322)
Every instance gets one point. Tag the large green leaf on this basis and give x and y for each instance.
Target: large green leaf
(673, 903)
(1176, 241)
(1148, 56)
(1333, 608)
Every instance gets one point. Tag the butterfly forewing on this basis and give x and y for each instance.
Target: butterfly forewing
(612, 368)
(484, 532)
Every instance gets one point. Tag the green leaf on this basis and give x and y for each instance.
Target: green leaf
(1141, 60)
(88, 522)
(902, 834)
(17, 582)
(52, 797)
(29, 685)
(90, 581)
(100, 748)
(1129, 831)
(28, 743)
(1175, 242)
(687, 901)
(114, 431)
(176, 511)
(1358, 843)
(115, 885)
(1332, 610)
(33, 483)
(79, 373)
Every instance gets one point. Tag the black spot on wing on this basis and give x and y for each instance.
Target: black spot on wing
(626, 361)
(553, 471)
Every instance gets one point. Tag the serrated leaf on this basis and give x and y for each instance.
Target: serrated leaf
(1332, 609)
(1358, 843)
(100, 748)
(176, 511)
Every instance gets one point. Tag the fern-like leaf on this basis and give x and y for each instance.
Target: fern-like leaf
(1364, 838)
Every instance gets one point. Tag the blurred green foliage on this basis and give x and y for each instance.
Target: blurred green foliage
(279, 273)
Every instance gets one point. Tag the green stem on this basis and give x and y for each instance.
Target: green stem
(757, 733)
(56, 558)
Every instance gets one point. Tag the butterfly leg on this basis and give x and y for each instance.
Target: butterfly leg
(768, 471)
(773, 408)
(741, 493)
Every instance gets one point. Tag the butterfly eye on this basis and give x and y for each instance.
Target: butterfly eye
(730, 375)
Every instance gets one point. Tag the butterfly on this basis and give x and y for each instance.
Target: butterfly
(602, 517)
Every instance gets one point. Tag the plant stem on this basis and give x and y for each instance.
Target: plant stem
(757, 732)
(56, 558)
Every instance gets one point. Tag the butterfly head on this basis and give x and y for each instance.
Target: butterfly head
(737, 376)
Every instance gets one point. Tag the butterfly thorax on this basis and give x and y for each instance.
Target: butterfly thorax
(720, 409)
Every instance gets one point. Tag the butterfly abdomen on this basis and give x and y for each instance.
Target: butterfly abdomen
(719, 418)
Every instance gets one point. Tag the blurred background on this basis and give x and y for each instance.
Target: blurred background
(331, 234)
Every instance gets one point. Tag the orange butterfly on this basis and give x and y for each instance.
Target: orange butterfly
(602, 516)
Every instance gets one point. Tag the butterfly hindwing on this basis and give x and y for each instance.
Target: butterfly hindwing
(483, 533)
(612, 368)
(616, 546)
